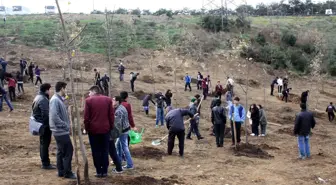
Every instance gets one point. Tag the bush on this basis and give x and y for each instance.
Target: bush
(308, 48)
(289, 39)
(260, 39)
(298, 61)
(214, 23)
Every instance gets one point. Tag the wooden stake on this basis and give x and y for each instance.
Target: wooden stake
(234, 131)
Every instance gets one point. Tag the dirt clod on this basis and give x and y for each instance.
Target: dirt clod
(148, 153)
(249, 150)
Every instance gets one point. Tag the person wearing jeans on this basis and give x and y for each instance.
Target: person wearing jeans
(194, 122)
(159, 110)
(237, 114)
(122, 148)
(187, 80)
(304, 122)
(3, 94)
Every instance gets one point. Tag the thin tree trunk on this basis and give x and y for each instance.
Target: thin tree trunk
(74, 138)
(153, 77)
(246, 96)
(70, 62)
(108, 34)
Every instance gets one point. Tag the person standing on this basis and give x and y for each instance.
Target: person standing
(134, 77)
(121, 70)
(31, 72)
(40, 112)
(304, 122)
(121, 124)
(96, 77)
(38, 75)
(199, 80)
(19, 78)
(3, 65)
(218, 117)
(274, 82)
(168, 97)
(219, 90)
(2, 78)
(263, 120)
(160, 104)
(187, 80)
(285, 94)
(175, 125)
(330, 110)
(60, 127)
(23, 66)
(255, 120)
(3, 94)
(145, 103)
(11, 88)
(229, 84)
(237, 115)
(304, 97)
(98, 121)
(205, 88)
(105, 81)
(285, 82)
(124, 97)
(193, 123)
(280, 85)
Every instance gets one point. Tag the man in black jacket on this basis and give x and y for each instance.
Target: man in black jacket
(330, 110)
(304, 122)
(175, 125)
(273, 84)
(40, 110)
(304, 97)
(218, 118)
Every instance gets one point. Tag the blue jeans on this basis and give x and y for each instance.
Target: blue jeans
(4, 96)
(160, 116)
(304, 146)
(122, 148)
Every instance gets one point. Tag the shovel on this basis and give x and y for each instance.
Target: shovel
(158, 141)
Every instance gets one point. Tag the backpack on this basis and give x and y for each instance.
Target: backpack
(240, 110)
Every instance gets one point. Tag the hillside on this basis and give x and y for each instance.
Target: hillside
(275, 162)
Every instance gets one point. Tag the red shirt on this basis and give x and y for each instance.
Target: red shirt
(219, 88)
(11, 82)
(98, 114)
(129, 111)
(204, 84)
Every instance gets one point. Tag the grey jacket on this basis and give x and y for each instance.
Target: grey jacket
(58, 117)
(262, 117)
(40, 109)
(121, 119)
(174, 119)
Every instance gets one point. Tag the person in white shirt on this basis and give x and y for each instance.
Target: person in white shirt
(280, 84)
(229, 84)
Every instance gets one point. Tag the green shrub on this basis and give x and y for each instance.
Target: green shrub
(308, 48)
(289, 39)
(214, 23)
(260, 39)
(298, 60)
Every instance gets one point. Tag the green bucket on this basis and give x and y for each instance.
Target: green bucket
(135, 137)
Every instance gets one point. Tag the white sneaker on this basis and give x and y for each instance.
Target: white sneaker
(252, 134)
(262, 135)
(127, 168)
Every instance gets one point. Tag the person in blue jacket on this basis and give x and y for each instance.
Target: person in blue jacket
(187, 80)
(3, 64)
(237, 115)
(3, 96)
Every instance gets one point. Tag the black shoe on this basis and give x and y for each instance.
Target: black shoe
(104, 175)
(49, 167)
(188, 138)
(60, 174)
(199, 138)
(70, 175)
(98, 175)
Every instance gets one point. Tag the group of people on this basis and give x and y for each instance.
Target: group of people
(257, 117)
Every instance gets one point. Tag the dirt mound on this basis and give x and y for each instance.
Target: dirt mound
(165, 68)
(286, 109)
(139, 94)
(265, 146)
(318, 114)
(288, 131)
(252, 151)
(251, 83)
(328, 94)
(12, 53)
(140, 180)
(291, 98)
(148, 153)
(148, 79)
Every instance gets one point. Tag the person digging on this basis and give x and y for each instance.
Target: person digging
(194, 122)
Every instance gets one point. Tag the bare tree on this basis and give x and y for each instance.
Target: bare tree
(67, 45)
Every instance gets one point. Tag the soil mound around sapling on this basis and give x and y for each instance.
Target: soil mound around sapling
(288, 131)
(148, 153)
(251, 83)
(291, 98)
(265, 146)
(148, 79)
(139, 94)
(250, 150)
(127, 180)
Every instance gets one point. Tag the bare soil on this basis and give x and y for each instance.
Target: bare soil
(203, 162)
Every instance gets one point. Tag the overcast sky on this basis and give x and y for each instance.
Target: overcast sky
(87, 5)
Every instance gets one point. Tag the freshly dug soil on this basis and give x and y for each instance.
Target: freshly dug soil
(251, 83)
(148, 79)
(288, 131)
(148, 153)
(139, 94)
(250, 150)
(265, 146)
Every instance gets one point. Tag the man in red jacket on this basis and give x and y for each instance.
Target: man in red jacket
(99, 120)
(124, 97)
(219, 89)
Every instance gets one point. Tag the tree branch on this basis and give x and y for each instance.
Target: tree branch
(77, 35)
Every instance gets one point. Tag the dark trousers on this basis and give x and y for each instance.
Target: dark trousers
(132, 85)
(193, 128)
(219, 95)
(238, 126)
(285, 97)
(279, 88)
(21, 70)
(255, 127)
(20, 88)
(100, 151)
(31, 77)
(187, 85)
(219, 132)
(199, 85)
(272, 90)
(64, 154)
(45, 139)
(38, 79)
(331, 116)
(11, 91)
(205, 93)
(106, 89)
(171, 141)
(114, 155)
